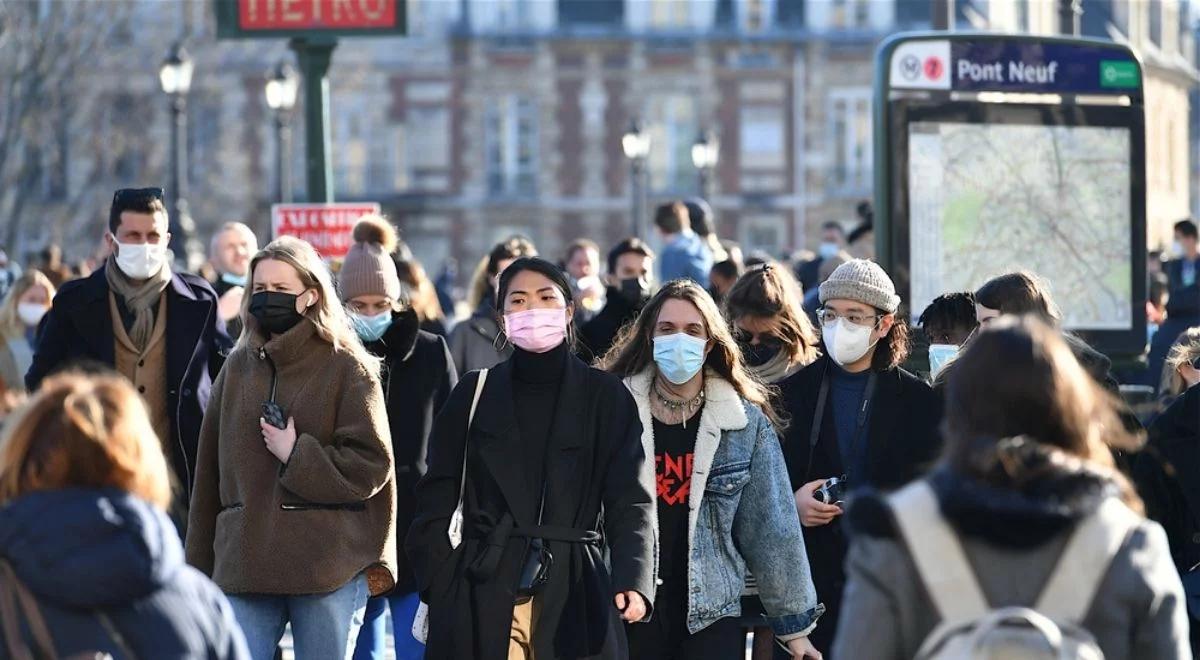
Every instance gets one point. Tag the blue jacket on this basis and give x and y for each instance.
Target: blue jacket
(85, 550)
(79, 327)
(685, 257)
(741, 514)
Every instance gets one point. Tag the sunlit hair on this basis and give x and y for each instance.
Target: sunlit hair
(483, 281)
(1018, 379)
(327, 314)
(633, 351)
(86, 432)
(10, 322)
(1185, 349)
(1019, 293)
(770, 292)
(422, 296)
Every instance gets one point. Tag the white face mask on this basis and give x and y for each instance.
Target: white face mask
(847, 342)
(141, 261)
(30, 313)
(1177, 250)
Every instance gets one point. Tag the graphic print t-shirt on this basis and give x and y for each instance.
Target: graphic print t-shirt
(674, 448)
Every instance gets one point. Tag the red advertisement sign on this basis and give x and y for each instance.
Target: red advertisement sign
(326, 226)
(291, 15)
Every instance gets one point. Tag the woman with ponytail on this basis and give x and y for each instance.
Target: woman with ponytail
(529, 453)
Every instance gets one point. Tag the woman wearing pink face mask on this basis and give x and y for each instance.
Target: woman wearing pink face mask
(532, 451)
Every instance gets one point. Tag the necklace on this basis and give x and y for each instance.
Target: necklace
(677, 408)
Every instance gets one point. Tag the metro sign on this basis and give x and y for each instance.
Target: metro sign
(327, 227)
(307, 18)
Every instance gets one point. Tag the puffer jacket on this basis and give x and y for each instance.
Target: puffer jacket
(1013, 537)
(83, 551)
(742, 517)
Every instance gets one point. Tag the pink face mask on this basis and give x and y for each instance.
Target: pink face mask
(536, 330)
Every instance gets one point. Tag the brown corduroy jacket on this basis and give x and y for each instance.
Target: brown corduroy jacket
(258, 526)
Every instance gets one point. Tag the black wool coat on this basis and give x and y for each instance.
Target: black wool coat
(598, 335)
(79, 328)
(418, 376)
(1167, 474)
(595, 462)
(902, 442)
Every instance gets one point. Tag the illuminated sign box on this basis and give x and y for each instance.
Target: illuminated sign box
(248, 19)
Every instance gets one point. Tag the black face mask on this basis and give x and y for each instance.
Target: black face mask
(275, 311)
(634, 292)
(761, 353)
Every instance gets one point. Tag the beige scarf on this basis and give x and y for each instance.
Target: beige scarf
(139, 297)
(776, 370)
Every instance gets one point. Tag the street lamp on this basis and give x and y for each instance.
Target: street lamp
(636, 145)
(175, 74)
(705, 152)
(281, 89)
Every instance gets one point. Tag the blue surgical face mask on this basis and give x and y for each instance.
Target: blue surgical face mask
(679, 356)
(939, 355)
(234, 280)
(371, 328)
(828, 250)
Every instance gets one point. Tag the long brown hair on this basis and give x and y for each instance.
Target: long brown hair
(83, 431)
(633, 352)
(422, 296)
(770, 292)
(1019, 379)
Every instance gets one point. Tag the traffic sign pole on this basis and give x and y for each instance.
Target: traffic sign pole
(314, 54)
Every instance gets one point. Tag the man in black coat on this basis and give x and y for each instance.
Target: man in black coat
(630, 268)
(855, 415)
(172, 367)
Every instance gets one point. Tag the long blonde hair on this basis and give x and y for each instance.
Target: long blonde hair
(327, 314)
(1186, 349)
(83, 431)
(633, 350)
(10, 322)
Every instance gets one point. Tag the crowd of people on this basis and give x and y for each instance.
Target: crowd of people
(622, 453)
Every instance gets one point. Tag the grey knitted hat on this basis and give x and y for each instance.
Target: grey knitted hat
(862, 281)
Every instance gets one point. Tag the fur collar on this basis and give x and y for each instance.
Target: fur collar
(723, 407)
(723, 411)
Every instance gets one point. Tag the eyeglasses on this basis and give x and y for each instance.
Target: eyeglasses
(127, 194)
(828, 318)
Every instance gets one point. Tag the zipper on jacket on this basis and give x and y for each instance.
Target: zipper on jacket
(352, 506)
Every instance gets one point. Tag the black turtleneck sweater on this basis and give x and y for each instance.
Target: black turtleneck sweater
(536, 379)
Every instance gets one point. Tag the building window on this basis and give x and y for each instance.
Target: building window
(671, 121)
(511, 129)
(669, 14)
(762, 140)
(767, 233)
(426, 147)
(850, 138)
(850, 13)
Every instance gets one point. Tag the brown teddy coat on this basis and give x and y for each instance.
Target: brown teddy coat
(309, 526)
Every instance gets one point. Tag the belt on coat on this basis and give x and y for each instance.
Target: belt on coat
(497, 533)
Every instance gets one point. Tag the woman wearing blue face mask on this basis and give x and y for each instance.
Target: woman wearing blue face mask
(724, 504)
(418, 376)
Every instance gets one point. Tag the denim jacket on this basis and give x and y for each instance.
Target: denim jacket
(741, 514)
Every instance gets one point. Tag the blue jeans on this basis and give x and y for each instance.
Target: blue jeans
(323, 625)
(372, 639)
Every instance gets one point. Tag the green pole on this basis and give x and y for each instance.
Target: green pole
(313, 54)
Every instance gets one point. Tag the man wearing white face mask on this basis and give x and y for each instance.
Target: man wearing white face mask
(856, 416)
(157, 328)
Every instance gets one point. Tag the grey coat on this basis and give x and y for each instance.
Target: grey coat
(1138, 612)
(477, 342)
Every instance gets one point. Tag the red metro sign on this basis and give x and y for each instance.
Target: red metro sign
(307, 18)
